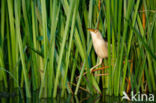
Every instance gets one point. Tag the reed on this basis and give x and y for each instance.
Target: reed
(45, 46)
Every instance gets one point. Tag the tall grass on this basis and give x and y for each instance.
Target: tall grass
(45, 46)
(20, 45)
(3, 75)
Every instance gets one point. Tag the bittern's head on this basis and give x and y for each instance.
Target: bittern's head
(94, 32)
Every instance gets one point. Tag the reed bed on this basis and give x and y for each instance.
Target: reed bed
(45, 46)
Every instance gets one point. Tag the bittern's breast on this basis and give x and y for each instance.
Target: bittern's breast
(101, 49)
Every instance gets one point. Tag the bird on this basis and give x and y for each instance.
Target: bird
(100, 46)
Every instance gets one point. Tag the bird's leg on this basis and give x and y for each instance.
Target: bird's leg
(96, 65)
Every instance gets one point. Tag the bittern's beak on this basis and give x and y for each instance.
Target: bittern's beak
(91, 30)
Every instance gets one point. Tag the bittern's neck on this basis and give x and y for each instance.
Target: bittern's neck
(93, 34)
(96, 36)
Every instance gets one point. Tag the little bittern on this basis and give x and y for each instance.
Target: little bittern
(100, 46)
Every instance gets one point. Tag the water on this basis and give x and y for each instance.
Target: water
(15, 97)
(68, 99)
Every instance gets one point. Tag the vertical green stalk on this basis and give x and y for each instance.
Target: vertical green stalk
(151, 71)
(149, 57)
(69, 50)
(116, 15)
(81, 74)
(50, 69)
(130, 6)
(62, 47)
(119, 26)
(45, 43)
(89, 19)
(44, 27)
(17, 21)
(114, 18)
(74, 66)
(2, 21)
(8, 43)
(35, 69)
(78, 22)
(129, 46)
(79, 45)
(3, 75)
(27, 32)
(109, 46)
(14, 70)
(54, 21)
